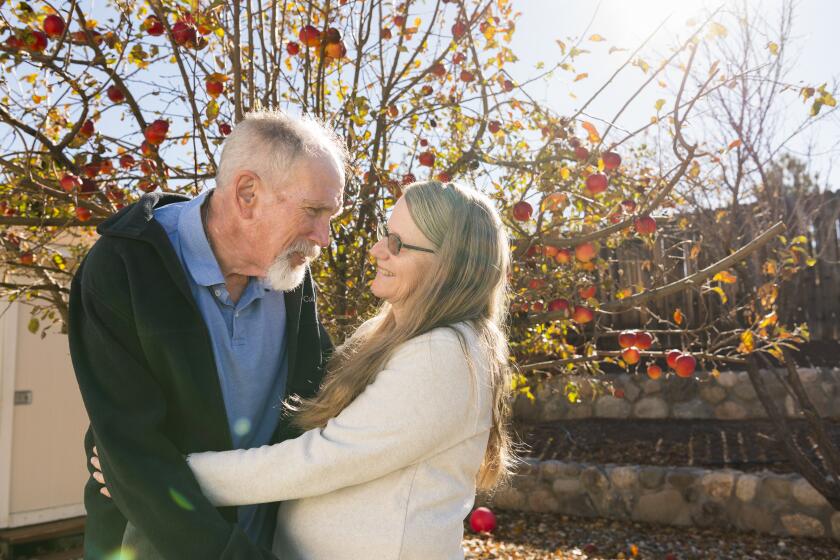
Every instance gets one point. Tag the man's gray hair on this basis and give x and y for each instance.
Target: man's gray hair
(269, 143)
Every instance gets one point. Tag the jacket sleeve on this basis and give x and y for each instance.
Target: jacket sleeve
(423, 403)
(147, 475)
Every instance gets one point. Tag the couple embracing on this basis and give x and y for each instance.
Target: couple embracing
(223, 423)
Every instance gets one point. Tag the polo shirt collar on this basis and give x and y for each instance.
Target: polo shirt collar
(196, 251)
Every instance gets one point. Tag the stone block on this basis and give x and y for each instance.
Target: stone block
(667, 506)
(746, 487)
(651, 477)
(611, 407)
(694, 408)
(729, 410)
(807, 495)
(624, 478)
(651, 407)
(718, 485)
(801, 525)
(712, 394)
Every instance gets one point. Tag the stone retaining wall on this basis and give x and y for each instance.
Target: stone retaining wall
(727, 396)
(764, 502)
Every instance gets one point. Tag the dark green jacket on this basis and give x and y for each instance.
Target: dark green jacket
(146, 371)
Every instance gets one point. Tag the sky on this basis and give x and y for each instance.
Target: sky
(625, 23)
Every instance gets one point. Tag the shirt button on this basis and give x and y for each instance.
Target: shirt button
(218, 293)
(236, 314)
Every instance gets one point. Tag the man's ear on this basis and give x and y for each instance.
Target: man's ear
(246, 185)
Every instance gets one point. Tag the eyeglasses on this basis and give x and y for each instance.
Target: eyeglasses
(394, 241)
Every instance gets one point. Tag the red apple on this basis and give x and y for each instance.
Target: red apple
(310, 36)
(559, 304)
(482, 520)
(35, 41)
(585, 252)
(426, 90)
(628, 205)
(536, 283)
(494, 126)
(644, 340)
(627, 339)
(596, 183)
(654, 371)
(537, 307)
(427, 158)
(331, 35)
(444, 177)
(184, 34)
(87, 129)
(408, 178)
(399, 21)
(292, 48)
(127, 161)
(563, 256)
(611, 160)
(631, 355)
(146, 185)
(587, 292)
(115, 94)
(467, 76)
(106, 167)
(225, 129)
(555, 201)
(522, 211)
(438, 70)
(27, 258)
(645, 225)
(153, 26)
(550, 251)
(684, 365)
(459, 29)
(147, 149)
(581, 153)
(214, 87)
(83, 214)
(672, 358)
(335, 50)
(507, 85)
(91, 169)
(88, 187)
(385, 34)
(155, 133)
(148, 166)
(582, 314)
(70, 182)
(53, 26)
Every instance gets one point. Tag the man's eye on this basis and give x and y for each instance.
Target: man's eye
(311, 211)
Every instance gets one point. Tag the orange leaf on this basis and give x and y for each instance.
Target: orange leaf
(678, 316)
(580, 77)
(734, 144)
(593, 132)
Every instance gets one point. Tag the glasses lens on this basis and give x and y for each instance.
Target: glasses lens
(393, 244)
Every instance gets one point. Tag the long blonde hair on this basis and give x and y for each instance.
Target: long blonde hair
(469, 285)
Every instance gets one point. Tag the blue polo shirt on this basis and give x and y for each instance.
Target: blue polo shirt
(248, 338)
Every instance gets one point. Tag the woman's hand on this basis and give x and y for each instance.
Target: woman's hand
(97, 473)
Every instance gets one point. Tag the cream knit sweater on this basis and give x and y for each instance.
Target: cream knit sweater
(391, 477)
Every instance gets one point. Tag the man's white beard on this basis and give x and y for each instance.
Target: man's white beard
(283, 275)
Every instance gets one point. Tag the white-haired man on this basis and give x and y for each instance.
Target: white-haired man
(190, 321)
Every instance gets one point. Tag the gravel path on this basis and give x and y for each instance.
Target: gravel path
(533, 536)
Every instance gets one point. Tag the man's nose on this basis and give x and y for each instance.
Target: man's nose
(321, 235)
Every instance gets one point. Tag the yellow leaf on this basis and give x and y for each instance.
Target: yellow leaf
(596, 38)
(717, 30)
(615, 49)
(747, 342)
(659, 104)
(725, 276)
(580, 77)
(769, 319)
(565, 173)
(694, 171)
(562, 45)
(593, 132)
(719, 291)
(773, 47)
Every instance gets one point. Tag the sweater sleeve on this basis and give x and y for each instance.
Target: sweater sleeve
(423, 403)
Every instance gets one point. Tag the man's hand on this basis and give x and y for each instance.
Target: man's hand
(97, 474)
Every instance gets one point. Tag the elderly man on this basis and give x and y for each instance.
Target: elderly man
(190, 322)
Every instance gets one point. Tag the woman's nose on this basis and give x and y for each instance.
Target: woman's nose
(379, 250)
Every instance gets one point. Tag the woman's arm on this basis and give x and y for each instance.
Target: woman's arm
(420, 405)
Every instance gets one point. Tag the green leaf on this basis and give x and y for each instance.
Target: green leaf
(34, 325)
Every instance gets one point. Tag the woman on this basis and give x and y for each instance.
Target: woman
(413, 411)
